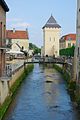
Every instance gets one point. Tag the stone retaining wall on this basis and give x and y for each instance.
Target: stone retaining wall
(6, 85)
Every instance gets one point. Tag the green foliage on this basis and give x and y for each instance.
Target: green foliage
(78, 101)
(59, 69)
(67, 52)
(35, 48)
(72, 85)
(4, 107)
(65, 75)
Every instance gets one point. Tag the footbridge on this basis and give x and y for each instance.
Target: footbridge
(47, 60)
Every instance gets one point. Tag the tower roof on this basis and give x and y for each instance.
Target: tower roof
(51, 23)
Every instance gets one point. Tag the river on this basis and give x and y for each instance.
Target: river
(42, 96)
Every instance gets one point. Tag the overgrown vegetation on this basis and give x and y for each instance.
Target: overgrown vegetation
(34, 48)
(71, 85)
(13, 90)
(65, 75)
(69, 52)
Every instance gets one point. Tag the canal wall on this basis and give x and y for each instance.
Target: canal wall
(16, 74)
(5, 85)
(66, 72)
(8, 88)
(4, 90)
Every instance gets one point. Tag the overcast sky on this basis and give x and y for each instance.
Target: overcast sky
(35, 13)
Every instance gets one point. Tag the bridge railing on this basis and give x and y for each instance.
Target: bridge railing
(55, 60)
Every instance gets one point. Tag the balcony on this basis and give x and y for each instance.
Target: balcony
(7, 73)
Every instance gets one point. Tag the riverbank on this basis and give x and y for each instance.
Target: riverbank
(71, 85)
(13, 89)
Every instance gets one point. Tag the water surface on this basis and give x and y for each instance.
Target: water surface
(42, 96)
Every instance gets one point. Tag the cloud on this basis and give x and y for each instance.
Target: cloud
(21, 24)
(14, 20)
(17, 23)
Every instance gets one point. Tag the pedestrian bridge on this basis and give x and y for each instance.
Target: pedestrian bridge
(47, 61)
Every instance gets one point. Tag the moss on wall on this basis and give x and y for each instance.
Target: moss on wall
(13, 90)
(65, 74)
(71, 85)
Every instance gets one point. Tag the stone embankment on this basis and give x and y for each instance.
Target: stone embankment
(9, 88)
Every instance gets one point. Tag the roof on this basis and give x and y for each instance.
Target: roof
(4, 5)
(51, 23)
(68, 37)
(10, 34)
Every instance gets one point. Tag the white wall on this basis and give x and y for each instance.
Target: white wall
(51, 38)
(4, 90)
(21, 42)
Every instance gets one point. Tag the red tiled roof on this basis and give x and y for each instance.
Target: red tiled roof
(70, 36)
(16, 34)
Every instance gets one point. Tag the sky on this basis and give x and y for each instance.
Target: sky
(33, 14)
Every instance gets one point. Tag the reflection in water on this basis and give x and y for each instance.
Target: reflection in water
(41, 100)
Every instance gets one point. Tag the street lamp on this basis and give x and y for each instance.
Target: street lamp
(77, 48)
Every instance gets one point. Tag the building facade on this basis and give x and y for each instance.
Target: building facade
(51, 36)
(3, 9)
(3, 83)
(67, 41)
(17, 40)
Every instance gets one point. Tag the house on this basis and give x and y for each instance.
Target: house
(67, 41)
(51, 36)
(17, 40)
(3, 81)
(3, 9)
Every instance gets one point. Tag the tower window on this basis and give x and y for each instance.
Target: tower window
(50, 39)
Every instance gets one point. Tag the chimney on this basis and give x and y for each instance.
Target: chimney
(13, 30)
(27, 32)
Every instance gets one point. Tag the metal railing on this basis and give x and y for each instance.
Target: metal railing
(7, 73)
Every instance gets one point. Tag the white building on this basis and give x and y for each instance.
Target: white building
(51, 36)
(17, 39)
(67, 41)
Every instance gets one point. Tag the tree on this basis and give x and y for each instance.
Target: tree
(35, 48)
(69, 52)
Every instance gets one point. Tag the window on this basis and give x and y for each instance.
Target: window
(69, 44)
(0, 33)
(50, 39)
(69, 38)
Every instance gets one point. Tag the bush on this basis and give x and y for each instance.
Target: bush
(69, 52)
